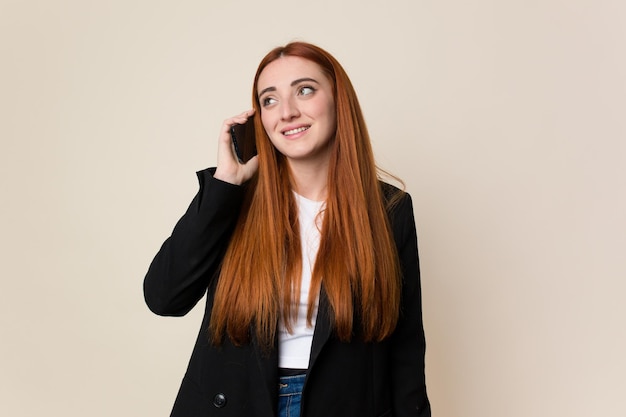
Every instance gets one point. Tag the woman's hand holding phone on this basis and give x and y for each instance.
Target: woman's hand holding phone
(229, 169)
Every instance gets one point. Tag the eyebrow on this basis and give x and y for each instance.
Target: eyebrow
(293, 83)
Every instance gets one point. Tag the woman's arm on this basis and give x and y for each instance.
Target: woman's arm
(408, 342)
(182, 269)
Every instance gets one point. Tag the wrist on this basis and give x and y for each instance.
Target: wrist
(225, 176)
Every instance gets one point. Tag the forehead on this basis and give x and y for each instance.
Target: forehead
(286, 69)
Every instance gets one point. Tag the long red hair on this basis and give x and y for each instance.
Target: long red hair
(357, 264)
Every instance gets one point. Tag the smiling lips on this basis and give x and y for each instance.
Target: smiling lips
(295, 131)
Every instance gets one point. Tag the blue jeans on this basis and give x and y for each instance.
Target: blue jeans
(290, 395)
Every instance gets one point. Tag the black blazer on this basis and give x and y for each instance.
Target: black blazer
(344, 379)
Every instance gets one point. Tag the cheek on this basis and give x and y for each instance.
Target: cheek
(331, 116)
(329, 108)
(266, 122)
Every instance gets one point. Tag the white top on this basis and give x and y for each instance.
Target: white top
(294, 349)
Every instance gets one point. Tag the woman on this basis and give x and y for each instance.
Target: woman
(309, 262)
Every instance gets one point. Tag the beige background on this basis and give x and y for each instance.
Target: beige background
(506, 119)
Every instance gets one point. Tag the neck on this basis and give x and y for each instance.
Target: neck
(310, 180)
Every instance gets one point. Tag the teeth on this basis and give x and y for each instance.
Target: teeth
(294, 131)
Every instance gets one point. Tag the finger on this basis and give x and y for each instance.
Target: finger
(228, 166)
(240, 118)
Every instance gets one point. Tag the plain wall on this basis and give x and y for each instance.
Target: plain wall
(506, 119)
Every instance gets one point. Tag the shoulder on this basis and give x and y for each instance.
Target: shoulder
(397, 201)
(399, 206)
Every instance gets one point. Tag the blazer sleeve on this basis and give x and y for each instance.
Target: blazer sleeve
(408, 341)
(181, 271)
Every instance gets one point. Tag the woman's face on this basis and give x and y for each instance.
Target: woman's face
(297, 109)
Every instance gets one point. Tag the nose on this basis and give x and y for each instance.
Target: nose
(289, 109)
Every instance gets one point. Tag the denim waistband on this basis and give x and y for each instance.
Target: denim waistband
(291, 371)
(291, 384)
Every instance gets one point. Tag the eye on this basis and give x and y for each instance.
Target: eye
(268, 101)
(305, 90)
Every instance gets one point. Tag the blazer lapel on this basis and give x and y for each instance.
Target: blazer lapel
(268, 366)
(323, 327)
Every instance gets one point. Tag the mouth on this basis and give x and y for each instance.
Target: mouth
(295, 130)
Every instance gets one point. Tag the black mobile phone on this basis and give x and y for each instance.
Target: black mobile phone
(244, 140)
